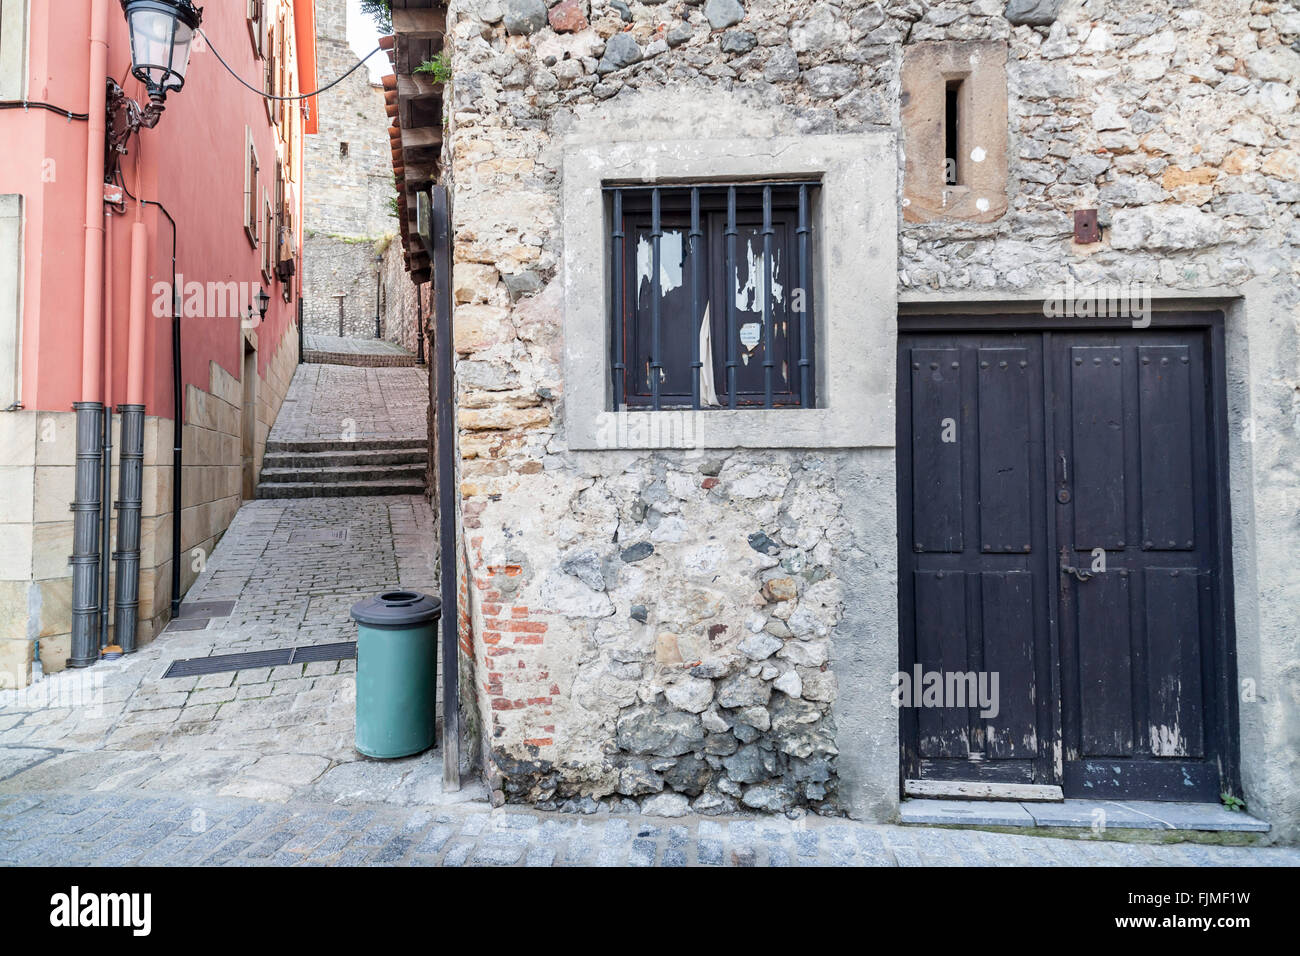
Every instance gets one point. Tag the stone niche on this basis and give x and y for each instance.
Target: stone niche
(954, 114)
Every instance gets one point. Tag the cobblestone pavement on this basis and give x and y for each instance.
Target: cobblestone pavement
(117, 765)
(293, 569)
(314, 342)
(342, 402)
(107, 829)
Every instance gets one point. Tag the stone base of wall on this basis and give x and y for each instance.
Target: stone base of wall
(315, 357)
(38, 449)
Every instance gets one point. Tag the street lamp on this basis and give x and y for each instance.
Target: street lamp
(263, 300)
(161, 33)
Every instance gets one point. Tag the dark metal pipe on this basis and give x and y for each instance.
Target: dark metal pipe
(419, 326)
(85, 535)
(656, 234)
(300, 330)
(619, 323)
(769, 362)
(105, 523)
(448, 533)
(178, 410)
(693, 252)
(127, 556)
(804, 231)
(729, 294)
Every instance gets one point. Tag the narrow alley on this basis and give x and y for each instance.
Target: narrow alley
(284, 576)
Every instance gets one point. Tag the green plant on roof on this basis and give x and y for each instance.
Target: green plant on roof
(438, 68)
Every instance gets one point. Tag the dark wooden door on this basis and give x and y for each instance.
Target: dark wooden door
(976, 563)
(1060, 524)
(1134, 493)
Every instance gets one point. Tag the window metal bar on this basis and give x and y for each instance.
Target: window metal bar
(769, 361)
(656, 234)
(746, 184)
(693, 251)
(620, 317)
(729, 294)
(803, 231)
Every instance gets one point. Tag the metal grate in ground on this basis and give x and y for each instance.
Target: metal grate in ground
(219, 663)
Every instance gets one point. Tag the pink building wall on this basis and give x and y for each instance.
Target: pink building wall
(192, 162)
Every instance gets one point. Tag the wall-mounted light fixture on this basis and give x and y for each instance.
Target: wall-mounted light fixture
(161, 34)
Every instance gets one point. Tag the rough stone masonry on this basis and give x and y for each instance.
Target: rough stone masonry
(715, 628)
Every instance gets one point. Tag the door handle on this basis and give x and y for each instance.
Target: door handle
(1078, 573)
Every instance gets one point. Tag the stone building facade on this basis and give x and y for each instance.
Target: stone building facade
(703, 609)
(349, 190)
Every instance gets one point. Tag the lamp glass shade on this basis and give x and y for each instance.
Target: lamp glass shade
(161, 35)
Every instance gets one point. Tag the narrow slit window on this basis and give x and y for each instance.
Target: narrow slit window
(343, 150)
(952, 133)
(711, 298)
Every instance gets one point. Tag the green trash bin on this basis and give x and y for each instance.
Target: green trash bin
(397, 669)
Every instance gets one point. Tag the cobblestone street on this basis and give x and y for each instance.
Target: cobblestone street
(113, 829)
(118, 765)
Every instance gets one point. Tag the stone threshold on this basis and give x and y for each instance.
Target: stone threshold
(1077, 814)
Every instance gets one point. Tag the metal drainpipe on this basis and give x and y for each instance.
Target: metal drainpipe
(87, 491)
(127, 555)
(131, 477)
(178, 403)
(105, 526)
(85, 535)
(106, 460)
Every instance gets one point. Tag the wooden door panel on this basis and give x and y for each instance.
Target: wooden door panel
(1105, 655)
(941, 642)
(1005, 501)
(1165, 427)
(936, 449)
(1096, 391)
(1174, 689)
(1008, 619)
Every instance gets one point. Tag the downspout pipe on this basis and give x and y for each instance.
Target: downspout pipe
(176, 395)
(131, 456)
(106, 456)
(87, 492)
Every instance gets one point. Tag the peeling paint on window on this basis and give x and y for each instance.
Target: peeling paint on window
(670, 261)
(749, 298)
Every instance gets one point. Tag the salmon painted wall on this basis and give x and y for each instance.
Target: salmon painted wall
(192, 162)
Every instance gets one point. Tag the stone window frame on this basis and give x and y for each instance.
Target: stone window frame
(855, 278)
(13, 49)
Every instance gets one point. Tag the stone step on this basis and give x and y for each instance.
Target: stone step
(337, 444)
(344, 474)
(341, 489)
(334, 459)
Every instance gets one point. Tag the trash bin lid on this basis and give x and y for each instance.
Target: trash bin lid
(397, 608)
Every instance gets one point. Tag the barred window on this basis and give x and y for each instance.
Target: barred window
(711, 292)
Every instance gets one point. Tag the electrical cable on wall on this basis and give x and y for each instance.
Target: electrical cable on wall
(33, 104)
(299, 96)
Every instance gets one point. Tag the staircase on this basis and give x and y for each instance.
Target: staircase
(337, 469)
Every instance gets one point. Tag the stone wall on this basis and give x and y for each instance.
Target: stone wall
(338, 275)
(348, 188)
(719, 626)
(348, 173)
(340, 272)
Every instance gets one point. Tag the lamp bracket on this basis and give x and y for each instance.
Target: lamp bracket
(126, 117)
